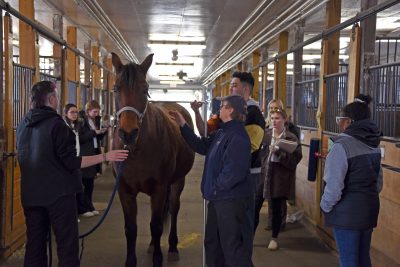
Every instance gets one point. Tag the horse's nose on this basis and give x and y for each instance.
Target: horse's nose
(128, 138)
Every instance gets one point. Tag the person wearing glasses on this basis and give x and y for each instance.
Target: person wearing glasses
(353, 178)
(71, 119)
(225, 185)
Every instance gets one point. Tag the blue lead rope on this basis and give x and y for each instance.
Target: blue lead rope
(103, 217)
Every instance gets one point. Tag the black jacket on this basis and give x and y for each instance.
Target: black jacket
(47, 158)
(86, 135)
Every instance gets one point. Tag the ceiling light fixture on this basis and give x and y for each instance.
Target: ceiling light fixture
(174, 55)
(158, 43)
(174, 64)
(172, 82)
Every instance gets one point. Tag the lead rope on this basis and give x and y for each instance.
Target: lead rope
(116, 186)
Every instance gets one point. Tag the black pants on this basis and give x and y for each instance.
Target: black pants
(84, 199)
(276, 206)
(61, 216)
(228, 237)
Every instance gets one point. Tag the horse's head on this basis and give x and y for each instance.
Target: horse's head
(131, 92)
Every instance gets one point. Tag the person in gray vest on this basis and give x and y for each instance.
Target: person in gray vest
(353, 177)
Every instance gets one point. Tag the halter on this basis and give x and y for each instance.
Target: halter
(137, 112)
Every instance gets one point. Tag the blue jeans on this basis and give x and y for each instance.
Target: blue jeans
(353, 246)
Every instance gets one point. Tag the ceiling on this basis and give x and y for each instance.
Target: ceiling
(209, 35)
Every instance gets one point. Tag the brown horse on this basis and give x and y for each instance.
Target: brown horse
(158, 161)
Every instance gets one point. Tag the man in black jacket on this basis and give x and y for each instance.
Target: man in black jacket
(50, 178)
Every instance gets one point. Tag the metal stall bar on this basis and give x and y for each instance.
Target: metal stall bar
(336, 86)
(23, 76)
(308, 103)
(386, 104)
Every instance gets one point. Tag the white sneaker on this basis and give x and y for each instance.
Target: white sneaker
(87, 214)
(95, 212)
(273, 245)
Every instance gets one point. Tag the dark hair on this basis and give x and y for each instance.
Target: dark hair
(40, 92)
(359, 109)
(245, 77)
(68, 106)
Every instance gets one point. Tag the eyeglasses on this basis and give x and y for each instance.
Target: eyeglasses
(339, 118)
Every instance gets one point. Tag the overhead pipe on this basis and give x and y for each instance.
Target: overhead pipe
(257, 40)
(248, 49)
(239, 32)
(326, 33)
(110, 26)
(46, 33)
(250, 20)
(95, 10)
(250, 45)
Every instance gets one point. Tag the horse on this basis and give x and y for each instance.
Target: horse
(158, 160)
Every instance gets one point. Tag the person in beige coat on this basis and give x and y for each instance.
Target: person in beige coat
(278, 167)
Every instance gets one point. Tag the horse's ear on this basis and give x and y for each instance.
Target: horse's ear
(147, 63)
(116, 61)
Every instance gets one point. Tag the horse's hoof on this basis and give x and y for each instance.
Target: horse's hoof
(150, 249)
(173, 256)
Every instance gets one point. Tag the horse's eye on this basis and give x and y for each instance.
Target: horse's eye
(115, 89)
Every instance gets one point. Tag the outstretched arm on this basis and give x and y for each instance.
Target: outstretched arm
(199, 120)
(113, 155)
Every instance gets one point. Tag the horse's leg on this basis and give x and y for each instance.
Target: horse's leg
(174, 206)
(158, 199)
(129, 206)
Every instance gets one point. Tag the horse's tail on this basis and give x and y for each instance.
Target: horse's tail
(166, 207)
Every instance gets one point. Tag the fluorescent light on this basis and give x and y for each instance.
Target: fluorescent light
(175, 64)
(171, 37)
(170, 44)
(172, 82)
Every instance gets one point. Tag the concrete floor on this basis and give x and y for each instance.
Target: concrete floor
(106, 247)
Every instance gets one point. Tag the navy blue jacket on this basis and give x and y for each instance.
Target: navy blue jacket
(227, 162)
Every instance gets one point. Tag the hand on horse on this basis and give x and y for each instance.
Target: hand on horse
(195, 105)
(117, 155)
(176, 116)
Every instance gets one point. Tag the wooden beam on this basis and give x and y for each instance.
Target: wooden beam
(88, 52)
(264, 74)
(353, 80)
(217, 90)
(368, 35)
(256, 58)
(297, 71)
(58, 29)
(95, 69)
(64, 78)
(8, 124)
(282, 68)
(329, 63)
(276, 73)
(28, 45)
(239, 66)
(71, 56)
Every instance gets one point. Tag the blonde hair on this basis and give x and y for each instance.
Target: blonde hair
(92, 104)
(275, 100)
